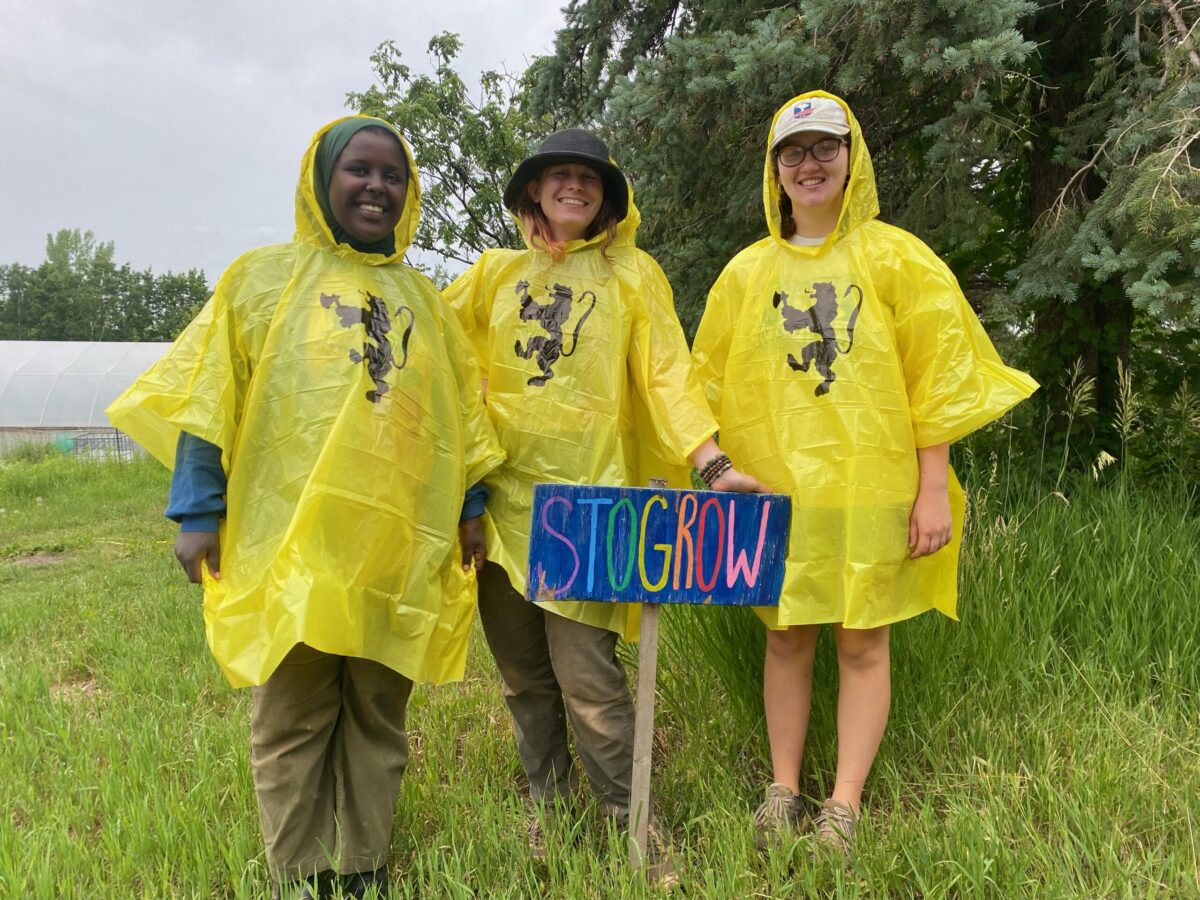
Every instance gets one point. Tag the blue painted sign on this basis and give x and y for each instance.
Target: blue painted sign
(648, 545)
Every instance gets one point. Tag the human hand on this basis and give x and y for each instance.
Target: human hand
(739, 482)
(929, 524)
(474, 543)
(194, 547)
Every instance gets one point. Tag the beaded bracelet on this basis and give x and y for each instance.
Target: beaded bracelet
(715, 463)
(717, 471)
(715, 468)
(704, 472)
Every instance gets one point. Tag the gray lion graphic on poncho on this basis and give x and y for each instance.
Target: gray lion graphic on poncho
(818, 318)
(377, 350)
(553, 317)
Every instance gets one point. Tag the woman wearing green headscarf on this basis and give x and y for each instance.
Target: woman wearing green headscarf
(322, 434)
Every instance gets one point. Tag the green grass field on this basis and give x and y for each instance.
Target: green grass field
(1046, 746)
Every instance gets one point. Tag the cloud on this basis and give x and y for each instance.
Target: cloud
(176, 130)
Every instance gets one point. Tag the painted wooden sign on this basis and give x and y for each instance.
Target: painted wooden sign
(647, 545)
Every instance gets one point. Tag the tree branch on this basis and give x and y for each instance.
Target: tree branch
(1185, 33)
(1058, 207)
(444, 254)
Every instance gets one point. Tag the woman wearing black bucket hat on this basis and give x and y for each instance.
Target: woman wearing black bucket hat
(588, 381)
(572, 145)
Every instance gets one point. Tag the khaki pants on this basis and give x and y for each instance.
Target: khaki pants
(546, 660)
(327, 751)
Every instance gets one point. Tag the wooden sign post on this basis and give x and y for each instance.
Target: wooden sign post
(696, 547)
(643, 727)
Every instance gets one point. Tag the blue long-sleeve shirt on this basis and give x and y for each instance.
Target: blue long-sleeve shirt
(197, 497)
(474, 502)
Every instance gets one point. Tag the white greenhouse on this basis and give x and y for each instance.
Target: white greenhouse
(57, 391)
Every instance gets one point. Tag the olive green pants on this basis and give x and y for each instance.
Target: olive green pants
(327, 752)
(547, 661)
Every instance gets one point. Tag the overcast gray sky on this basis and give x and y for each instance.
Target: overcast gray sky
(175, 129)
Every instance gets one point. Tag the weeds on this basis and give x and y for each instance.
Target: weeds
(1081, 402)
(30, 452)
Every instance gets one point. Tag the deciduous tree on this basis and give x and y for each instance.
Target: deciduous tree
(465, 146)
(80, 294)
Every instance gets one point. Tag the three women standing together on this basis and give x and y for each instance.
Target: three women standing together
(324, 413)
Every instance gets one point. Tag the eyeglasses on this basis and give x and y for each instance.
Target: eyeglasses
(822, 151)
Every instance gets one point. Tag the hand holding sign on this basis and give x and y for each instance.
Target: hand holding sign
(740, 482)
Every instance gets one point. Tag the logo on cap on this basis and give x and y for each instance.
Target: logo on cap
(802, 110)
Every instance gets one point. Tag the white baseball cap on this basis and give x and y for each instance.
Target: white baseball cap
(811, 114)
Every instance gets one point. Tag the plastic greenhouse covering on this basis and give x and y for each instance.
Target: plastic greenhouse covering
(67, 384)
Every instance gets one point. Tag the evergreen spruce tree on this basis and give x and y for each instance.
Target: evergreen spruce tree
(1045, 149)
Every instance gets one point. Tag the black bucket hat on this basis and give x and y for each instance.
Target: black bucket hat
(571, 145)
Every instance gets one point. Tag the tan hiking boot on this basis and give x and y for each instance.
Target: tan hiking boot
(833, 828)
(535, 836)
(659, 868)
(776, 817)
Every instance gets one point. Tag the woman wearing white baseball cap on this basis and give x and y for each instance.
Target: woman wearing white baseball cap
(841, 360)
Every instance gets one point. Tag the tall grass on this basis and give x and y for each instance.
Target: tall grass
(1044, 746)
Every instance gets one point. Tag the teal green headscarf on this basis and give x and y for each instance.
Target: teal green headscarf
(332, 144)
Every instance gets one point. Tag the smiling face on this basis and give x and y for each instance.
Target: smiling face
(815, 188)
(570, 196)
(369, 185)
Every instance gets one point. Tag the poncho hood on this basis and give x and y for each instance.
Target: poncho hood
(861, 202)
(311, 227)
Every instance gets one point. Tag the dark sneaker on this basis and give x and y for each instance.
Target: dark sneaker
(301, 889)
(366, 885)
(776, 817)
(833, 828)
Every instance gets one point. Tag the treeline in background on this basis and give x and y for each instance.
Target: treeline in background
(1046, 150)
(80, 293)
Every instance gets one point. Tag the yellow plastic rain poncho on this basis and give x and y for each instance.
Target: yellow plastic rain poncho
(827, 367)
(620, 406)
(341, 528)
